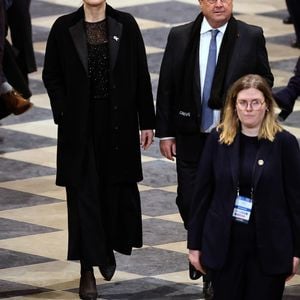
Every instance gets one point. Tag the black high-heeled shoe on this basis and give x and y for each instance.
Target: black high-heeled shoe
(87, 286)
(108, 271)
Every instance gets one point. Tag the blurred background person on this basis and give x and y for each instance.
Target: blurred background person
(293, 7)
(10, 100)
(19, 22)
(286, 97)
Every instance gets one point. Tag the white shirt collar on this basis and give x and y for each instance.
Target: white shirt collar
(205, 27)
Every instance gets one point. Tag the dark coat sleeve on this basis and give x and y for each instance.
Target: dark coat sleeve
(53, 74)
(165, 103)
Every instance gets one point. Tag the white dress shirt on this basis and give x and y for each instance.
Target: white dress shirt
(205, 36)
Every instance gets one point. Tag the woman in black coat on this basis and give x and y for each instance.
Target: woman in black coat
(99, 86)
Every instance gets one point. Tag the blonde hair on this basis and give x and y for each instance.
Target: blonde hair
(230, 123)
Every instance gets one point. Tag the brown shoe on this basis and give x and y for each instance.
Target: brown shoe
(15, 103)
(87, 286)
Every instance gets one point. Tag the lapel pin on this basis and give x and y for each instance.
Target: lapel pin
(115, 38)
(260, 162)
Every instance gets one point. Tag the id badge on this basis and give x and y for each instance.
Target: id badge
(242, 209)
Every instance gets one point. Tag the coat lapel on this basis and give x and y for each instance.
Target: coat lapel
(114, 37)
(79, 39)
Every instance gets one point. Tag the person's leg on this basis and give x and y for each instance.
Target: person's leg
(87, 284)
(260, 286)
(19, 21)
(186, 175)
(229, 283)
(294, 10)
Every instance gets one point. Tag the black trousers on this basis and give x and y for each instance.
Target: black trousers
(19, 22)
(186, 176)
(242, 277)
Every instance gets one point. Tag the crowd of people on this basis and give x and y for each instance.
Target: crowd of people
(238, 170)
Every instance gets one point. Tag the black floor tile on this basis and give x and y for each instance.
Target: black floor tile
(12, 289)
(42, 9)
(15, 170)
(152, 261)
(16, 141)
(158, 202)
(12, 259)
(178, 12)
(149, 288)
(11, 199)
(11, 229)
(166, 176)
(158, 232)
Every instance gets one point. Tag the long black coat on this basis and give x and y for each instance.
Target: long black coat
(276, 198)
(65, 76)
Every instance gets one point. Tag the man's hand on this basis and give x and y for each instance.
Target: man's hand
(194, 258)
(168, 148)
(146, 138)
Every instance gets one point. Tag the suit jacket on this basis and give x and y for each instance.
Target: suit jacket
(249, 55)
(65, 76)
(276, 202)
(287, 96)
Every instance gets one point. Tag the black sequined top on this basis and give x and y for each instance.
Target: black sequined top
(98, 61)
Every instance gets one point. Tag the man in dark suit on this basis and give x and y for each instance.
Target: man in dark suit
(240, 50)
(287, 96)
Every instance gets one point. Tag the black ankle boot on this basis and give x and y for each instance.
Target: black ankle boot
(108, 271)
(87, 286)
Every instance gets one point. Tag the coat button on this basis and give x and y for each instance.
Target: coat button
(116, 127)
(115, 107)
(116, 148)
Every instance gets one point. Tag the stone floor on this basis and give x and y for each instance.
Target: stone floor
(33, 210)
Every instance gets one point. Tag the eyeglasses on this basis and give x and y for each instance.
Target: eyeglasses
(215, 1)
(255, 104)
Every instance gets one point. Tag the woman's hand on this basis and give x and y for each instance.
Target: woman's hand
(194, 258)
(146, 138)
(295, 267)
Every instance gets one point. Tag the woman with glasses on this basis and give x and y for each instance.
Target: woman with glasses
(245, 216)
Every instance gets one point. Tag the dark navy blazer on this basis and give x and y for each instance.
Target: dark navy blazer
(276, 200)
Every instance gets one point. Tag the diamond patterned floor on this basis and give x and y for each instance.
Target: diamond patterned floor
(33, 225)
